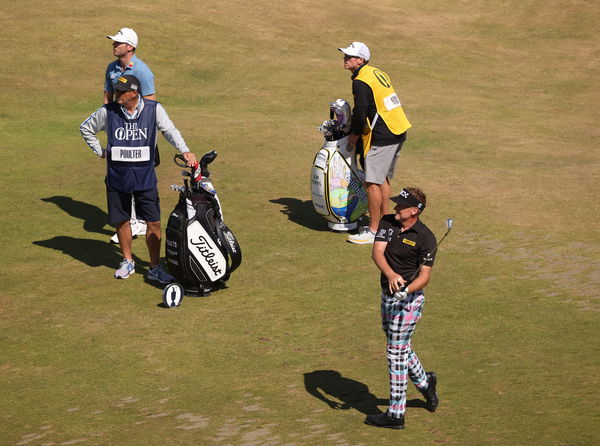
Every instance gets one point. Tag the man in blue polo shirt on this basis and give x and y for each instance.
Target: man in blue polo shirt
(131, 124)
(125, 42)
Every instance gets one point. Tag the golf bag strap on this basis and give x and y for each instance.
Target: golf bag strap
(231, 246)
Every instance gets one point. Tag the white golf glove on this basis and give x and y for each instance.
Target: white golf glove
(401, 295)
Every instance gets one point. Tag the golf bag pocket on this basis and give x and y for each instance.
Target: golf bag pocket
(175, 247)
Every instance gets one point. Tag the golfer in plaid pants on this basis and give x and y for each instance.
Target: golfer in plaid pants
(402, 244)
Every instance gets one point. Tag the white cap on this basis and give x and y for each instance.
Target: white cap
(126, 35)
(357, 49)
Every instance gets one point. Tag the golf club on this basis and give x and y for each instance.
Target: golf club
(449, 223)
(177, 188)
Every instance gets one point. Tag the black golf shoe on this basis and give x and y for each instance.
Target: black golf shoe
(430, 394)
(384, 420)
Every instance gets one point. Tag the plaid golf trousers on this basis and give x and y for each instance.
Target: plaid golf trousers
(399, 320)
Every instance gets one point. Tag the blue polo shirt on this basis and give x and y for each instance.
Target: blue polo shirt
(135, 68)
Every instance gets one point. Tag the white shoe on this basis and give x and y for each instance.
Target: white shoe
(126, 268)
(364, 237)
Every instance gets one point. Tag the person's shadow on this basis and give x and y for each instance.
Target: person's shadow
(342, 393)
(94, 218)
(302, 213)
(93, 253)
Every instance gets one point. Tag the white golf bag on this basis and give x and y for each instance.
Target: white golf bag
(338, 193)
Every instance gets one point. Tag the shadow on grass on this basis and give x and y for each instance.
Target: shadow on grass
(94, 218)
(416, 403)
(323, 384)
(302, 213)
(93, 253)
(187, 297)
(347, 393)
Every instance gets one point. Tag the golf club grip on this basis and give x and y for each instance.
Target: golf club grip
(180, 157)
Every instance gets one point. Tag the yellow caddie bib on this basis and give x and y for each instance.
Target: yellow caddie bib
(387, 103)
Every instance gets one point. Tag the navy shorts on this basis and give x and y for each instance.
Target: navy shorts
(147, 205)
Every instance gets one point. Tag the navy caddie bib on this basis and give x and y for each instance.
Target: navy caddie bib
(130, 150)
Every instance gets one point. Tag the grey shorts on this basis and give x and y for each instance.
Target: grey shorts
(380, 163)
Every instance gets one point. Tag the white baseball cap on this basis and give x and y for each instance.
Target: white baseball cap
(126, 35)
(357, 49)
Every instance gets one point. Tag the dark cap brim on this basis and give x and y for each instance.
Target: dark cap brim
(407, 200)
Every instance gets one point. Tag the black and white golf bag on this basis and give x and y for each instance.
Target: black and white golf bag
(201, 250)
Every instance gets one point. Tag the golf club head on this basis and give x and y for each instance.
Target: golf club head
(449, 223)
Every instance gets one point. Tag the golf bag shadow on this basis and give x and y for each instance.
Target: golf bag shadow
(201, 250)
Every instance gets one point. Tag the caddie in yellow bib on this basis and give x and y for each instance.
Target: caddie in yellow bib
(388, 105)
(378, 119)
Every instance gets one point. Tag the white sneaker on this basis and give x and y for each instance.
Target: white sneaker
(364, 237)
(126, 268)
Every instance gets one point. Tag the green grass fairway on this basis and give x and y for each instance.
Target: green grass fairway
(503, 98)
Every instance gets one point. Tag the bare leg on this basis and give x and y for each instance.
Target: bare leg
(132, 221)
(153, 240)
(374, 193)
(124, 233)
(385, 198)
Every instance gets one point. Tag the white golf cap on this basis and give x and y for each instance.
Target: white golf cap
(126, 35)
(357, 49)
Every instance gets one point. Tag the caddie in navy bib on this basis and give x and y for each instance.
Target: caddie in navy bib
(130, 149)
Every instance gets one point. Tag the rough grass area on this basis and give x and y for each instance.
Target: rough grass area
(503, 99)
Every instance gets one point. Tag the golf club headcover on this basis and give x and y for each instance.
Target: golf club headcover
(196, 172)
